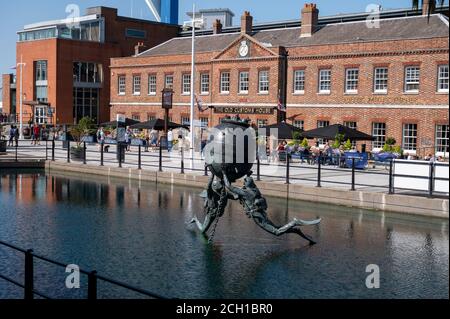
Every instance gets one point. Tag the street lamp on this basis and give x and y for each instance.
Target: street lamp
(21, 65)
(194, 23)
(167, 102)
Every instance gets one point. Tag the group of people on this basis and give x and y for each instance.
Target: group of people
(4, 118)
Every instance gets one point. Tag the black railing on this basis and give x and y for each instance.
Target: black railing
(331, 170)
(30, 291)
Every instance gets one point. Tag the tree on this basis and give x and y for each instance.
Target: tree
(431, 7)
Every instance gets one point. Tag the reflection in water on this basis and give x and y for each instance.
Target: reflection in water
(137, 233)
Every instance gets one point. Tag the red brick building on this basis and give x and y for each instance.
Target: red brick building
(66, 63)
(390, 80)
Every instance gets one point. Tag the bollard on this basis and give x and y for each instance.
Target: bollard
(68, 151)
(319, 172)
(84, 153)
(119, 150)
(92, 285)
(182, 160)
(29, 275)
(287, 168)
(353, 174)
(391, 177)
(102, 150)
(139, 157)
(431, 180)
(258, 167)
(53, 150)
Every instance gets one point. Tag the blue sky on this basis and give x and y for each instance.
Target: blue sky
(15, 14)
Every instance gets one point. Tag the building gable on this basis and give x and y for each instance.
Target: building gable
(245, 47)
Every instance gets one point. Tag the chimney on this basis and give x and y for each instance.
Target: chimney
(426, 7)
(246, 23)
(310, 20)
(139, 48)
(217, 27)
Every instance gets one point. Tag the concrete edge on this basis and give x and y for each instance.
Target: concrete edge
(404, 204)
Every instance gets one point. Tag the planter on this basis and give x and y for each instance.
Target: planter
(77, 153)
(2, 146)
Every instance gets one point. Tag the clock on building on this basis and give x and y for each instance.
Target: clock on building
(243, 49)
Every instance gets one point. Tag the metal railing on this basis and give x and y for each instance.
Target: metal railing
(29, 290)
(319, 170)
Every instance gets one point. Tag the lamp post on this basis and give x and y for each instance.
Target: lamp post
(21, 65)
(194, 23)
(167, 102)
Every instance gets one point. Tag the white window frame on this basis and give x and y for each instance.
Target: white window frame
(379, 130)
(122, 85)
(204, 83)
(136, 85)
(443, 78)
(351, 80)
(186, 84)
(168, 84)
(320, 124)
(204, 122)
(381, 80)
(225, 82)
(442, 140)
(152, 84)
(300, 124)
(325, 81)
(244, 82)
(299, 81)
(40, 115)
(263, 82)
(412, 77)
(409, 137)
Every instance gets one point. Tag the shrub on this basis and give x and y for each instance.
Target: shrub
(348, 145)
(84, 127)
(305, 143)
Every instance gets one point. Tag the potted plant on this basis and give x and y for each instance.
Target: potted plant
(84, 128)
(348, 146)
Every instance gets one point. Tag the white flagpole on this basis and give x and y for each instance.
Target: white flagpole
(193, 87)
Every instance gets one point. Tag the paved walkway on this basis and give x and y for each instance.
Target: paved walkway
(373, 179)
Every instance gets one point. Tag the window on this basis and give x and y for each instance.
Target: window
(380, 81)
(264, 81)
(442, 139)
(321, 124)
(185, 120)
(243, 82)
(136, 117)
(204, 83)
(261, 123)
(40, 115)
(186, 89)
(324, 81)
(409, 137)
(168, 82)
(354, 126)
(85, 72)
(41, 93)
(379, 134)
(137, 85)
(122, 82)
(151, 117)
(204, 122)
(443, 78)
(152, 84)
(300, 124)
(133, 33)
(351, 80)
(41, 70)
(412, 77)
(299, 81)
(225, 82)
(85, 103)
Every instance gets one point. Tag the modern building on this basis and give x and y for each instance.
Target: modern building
(210, 16)
(389, 78)
(66, 63)
(8, 94)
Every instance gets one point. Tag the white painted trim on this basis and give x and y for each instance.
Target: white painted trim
(54, 23)
(268, 105)
(378, 106)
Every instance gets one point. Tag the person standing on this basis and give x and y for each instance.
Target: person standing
(12, 134)
(169, 140)
(16, 136)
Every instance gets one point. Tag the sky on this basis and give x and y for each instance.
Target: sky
(15, 14)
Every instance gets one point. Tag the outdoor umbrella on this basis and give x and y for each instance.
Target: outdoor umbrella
(330, 133)
(128, 122)
(285, 131)
(156, 124)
